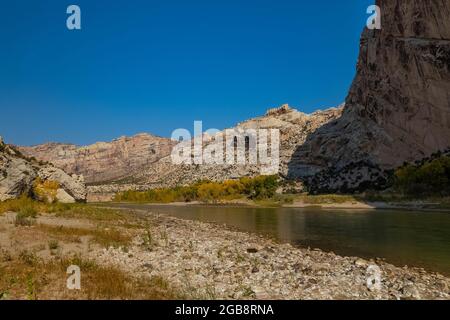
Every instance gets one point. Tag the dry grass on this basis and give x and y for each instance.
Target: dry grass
(24, 220)
(107, 237)
(82, 211)
(28, 277)
(25, 276)
(25, 203)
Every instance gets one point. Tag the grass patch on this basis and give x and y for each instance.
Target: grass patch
(105, 237)
(325, 199)
(82, 211)
(24, 220)
(20, 279)
(29, 206)
(26, 215)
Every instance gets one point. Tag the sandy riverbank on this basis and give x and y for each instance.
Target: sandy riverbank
(350, 205)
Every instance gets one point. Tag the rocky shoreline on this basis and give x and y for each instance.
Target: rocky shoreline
(211, 261)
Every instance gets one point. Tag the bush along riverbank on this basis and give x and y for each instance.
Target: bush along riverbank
(265, 191)
(259, 188)
(426, 178)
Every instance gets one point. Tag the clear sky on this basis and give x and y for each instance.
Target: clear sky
(157, 65)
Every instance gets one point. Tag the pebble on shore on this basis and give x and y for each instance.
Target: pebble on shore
(209, 261)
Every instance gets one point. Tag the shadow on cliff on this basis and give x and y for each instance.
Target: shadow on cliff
(309, 158)
(335, 158)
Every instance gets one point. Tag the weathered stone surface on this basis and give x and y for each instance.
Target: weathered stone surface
(63, 197)
(104, 161)
(398, 108)
(73, 185)
(18, 175)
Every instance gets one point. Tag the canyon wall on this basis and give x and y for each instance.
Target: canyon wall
(398, 107)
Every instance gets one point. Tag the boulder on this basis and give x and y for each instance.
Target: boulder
(72, 185)
(63, 197)
(15, 180)
(16, 174)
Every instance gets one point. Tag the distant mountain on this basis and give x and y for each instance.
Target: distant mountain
(104, 161)
(294, 128)
(144, 161)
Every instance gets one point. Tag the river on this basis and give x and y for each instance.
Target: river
(413, 238)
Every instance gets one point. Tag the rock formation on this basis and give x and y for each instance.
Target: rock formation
(21, 175)
(144, 161)
(104, 161)
(398, 108)
(294, 127)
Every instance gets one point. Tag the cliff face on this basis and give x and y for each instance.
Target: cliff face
(104, 161)
(398, 108)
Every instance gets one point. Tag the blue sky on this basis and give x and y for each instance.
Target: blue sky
(157, 65)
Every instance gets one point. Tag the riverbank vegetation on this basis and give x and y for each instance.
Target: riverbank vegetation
(429, 177)
(30, 207)
(258, 188)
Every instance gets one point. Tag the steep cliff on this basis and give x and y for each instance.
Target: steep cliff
(398, 108)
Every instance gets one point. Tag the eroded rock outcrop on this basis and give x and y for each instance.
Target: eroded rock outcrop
(16, 174)
(144, 161)
(398, 108)
(21, 175)
(294, 127)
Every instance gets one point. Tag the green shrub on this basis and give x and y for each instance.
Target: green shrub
(431, 177)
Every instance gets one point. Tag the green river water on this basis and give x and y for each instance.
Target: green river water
(413, 238)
